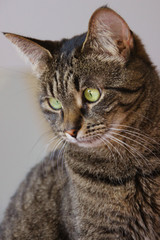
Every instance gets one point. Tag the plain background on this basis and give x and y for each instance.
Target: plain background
(23, 134)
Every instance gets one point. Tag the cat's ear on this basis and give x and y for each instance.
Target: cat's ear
(109, 34)
(35, 53)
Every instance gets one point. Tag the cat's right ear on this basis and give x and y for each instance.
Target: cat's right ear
(35, 53)
(109, 35)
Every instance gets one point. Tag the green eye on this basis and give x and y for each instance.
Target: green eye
(92, 94)
(55, 103)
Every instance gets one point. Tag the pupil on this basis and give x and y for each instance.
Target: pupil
(90, 93)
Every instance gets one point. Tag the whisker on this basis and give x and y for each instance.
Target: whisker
(107, 141)
(39, 139)
(131, 139)
(55, 149)
(55, 143)
(136, 131)
(121, 143)
(145, 117)
(127, 147)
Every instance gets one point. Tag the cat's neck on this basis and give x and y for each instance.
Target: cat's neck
(109, 168)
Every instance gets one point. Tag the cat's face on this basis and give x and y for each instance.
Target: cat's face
(85, 99)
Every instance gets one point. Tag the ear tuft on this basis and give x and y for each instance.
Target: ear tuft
(109, 34)
(36, 54)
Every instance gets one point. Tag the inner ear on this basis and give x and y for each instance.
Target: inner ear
(109, 33)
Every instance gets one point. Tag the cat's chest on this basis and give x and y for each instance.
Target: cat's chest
(94, 208)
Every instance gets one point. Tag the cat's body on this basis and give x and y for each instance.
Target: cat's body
(46, 207)
(100, 93)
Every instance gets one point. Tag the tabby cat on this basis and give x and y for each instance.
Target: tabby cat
(101, 95)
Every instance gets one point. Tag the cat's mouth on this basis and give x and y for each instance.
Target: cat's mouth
(92, 141)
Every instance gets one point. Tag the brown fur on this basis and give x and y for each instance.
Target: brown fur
(110, 188)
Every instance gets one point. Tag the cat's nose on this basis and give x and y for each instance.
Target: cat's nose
(72, 132)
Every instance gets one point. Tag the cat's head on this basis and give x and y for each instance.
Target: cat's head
(91, 85)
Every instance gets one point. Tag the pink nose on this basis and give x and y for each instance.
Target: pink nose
(72, 132)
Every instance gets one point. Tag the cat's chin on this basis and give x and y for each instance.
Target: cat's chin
(84, 142)
(90, 143)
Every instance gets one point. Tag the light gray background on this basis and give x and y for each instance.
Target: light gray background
(21, 123)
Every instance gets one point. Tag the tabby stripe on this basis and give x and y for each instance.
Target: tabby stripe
(125, 90)
(76, 83)
(143, 215)
(128, 106)
(50, 87)
(56, 78)
(65, 81)
(106, 180)
(134, 105)
(141, 98)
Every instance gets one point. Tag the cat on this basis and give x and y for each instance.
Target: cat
(100, 93)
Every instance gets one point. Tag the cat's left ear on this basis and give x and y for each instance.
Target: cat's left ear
(109, 35)
(31, 50)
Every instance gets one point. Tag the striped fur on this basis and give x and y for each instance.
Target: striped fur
(101, 181)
